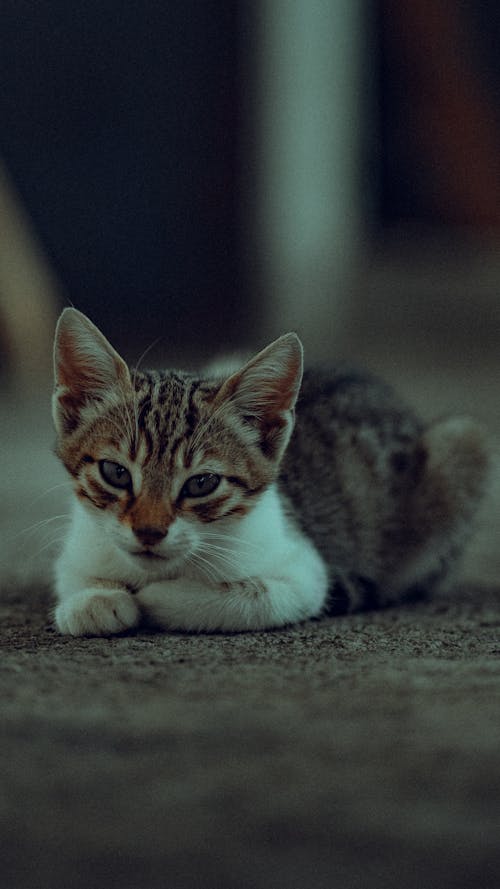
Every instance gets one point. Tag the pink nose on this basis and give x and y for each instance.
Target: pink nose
(149, 536)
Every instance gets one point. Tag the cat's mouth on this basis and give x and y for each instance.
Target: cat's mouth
(147, 554)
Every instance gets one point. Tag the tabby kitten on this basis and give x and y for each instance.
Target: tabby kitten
(200, 504)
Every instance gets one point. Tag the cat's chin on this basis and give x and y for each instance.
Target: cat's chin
(152, 562)
(149, 561)
(148, 556)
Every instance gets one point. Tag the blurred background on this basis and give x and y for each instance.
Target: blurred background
(214, 174)
(201, 177)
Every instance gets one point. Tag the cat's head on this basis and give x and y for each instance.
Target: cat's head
(156, 456)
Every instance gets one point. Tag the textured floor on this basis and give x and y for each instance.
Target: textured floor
(353, 752)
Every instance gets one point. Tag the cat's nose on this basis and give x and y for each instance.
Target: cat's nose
(149, 536)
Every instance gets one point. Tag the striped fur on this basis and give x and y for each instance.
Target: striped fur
(354, 505)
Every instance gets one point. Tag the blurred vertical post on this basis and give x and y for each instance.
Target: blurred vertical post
(308, 206)
(28, 296)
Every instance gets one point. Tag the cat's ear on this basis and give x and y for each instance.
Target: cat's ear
(265, 390)
(86, 368)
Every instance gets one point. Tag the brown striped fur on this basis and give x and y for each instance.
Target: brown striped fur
(167, 424)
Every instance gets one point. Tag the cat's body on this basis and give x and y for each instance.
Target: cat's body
(200, 506)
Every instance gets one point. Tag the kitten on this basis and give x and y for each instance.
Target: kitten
(200, 504)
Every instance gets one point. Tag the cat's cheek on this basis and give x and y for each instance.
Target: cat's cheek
(97, 612)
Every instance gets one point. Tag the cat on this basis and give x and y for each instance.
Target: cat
(202, 503)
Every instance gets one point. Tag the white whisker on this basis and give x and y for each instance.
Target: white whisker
(118, 428)
(65, 484)
(204, 566)
(228, 562)
(53, 542)
(226, 556)
(146, 352)
(230, 538)
(128, 423)
(39, 525)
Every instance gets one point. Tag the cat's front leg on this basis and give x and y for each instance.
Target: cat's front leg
(101, 610)
(253, 603)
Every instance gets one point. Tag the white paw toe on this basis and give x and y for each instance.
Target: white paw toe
(97, 613)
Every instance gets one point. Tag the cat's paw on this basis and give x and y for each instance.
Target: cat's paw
(97, 612)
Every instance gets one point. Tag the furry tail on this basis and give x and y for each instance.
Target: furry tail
(457, 467)
(457, 462)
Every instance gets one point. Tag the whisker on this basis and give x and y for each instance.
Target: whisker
(146, 352)
(230, 563)
(204, 428)
(219, 563)
(47, 545)
(49, 491)
(128, 422)
(37, 525)
(230, 538)
(226, 556)
(119, 428)
(204, 566)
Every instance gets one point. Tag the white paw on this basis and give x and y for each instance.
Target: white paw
(97, 612)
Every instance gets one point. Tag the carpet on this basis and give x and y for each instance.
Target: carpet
(360, 751)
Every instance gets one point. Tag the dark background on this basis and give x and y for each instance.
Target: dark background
(128, 132)
(120, 126)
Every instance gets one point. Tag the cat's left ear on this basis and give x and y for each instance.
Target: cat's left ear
(86, 368)
(265, 391)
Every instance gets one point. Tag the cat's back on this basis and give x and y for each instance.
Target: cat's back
(352, 457)
(354, 396)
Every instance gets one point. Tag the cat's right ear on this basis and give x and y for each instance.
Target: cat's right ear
(265, 390)
(86, 367)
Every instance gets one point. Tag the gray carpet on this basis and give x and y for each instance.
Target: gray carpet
(352, 752)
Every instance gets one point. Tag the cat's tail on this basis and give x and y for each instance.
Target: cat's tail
(456, 472)
(457, 466)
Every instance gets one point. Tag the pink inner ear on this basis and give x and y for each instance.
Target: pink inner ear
(283, 392)
(86, 367)
(75, 377)
(274, 377)
(85, 360)
(74, 371)
(269, 384)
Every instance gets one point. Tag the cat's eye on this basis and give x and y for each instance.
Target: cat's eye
(201, 485)
(114, 474)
